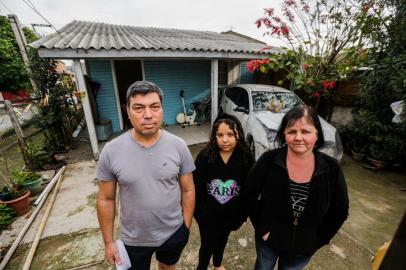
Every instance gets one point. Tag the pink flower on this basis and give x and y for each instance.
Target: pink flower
(285, 30)
(269, 11)
(316, 94)
(328, 85)
(252, 66)
(306, 8)
(325, 84)
(305, 66)
(290, 3)
(259, 22)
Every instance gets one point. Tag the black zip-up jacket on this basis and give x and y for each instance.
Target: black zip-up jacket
(219, 189)
(270, 210)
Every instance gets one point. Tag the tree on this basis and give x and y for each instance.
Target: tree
(325, 44)
(13, 75)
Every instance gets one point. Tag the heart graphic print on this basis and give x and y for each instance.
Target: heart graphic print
(223, 191)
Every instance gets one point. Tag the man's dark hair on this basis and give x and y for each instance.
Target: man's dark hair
(143, 88)
(295, 114)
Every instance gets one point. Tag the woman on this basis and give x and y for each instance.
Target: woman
(221, 169)
(297, 196)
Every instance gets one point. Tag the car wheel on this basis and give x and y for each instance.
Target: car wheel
(251, 146)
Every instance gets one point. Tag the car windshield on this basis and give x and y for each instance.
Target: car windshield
(279, 102)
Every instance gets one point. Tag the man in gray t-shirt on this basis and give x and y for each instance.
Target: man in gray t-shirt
(154, 171)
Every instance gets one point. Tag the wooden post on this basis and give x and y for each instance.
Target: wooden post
(214, 89)
(22, 45)
(19, 133)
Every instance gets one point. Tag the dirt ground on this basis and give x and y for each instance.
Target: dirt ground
(72, 239)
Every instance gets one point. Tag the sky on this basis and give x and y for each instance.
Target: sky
(206, 15)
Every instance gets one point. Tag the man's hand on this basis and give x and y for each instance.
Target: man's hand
(265, 237)
(111, 253)
(188, 197)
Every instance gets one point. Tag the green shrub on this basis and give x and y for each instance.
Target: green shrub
(6, 216)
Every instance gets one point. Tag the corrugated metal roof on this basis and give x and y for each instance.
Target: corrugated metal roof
(103, 36)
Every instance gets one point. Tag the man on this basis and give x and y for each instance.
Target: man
(154, 171)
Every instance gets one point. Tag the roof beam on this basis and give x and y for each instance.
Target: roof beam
(144, 54)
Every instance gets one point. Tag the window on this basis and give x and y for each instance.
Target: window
(239, 96)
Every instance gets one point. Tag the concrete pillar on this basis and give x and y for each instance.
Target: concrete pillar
(214, 89)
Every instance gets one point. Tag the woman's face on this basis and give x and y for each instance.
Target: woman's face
(225, 138)
(301, 136)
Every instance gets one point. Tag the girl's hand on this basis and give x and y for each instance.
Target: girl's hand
(265, 237)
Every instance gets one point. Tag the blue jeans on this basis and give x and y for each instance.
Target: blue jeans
(266, 258)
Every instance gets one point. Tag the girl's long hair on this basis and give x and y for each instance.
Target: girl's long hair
(234, 124)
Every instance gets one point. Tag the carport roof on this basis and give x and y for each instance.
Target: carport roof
(81, 39)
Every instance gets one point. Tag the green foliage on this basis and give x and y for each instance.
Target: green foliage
(57, 104)
(24, 177)
(6, 216)
(13, 76)
(38, 156)
(383, 84)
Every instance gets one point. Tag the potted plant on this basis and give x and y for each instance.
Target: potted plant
(13, 196)
(378, 156)
(358, 152)
(27, 180)
(354, 139)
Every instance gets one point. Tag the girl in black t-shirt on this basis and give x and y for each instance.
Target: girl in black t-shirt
(221, 169)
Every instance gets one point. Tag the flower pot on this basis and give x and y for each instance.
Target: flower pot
(5, 196)
(378, 164)
(357, 156)
(33, 186)
(21, 205)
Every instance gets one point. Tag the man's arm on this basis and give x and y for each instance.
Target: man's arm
(188, 197)
(106, 211)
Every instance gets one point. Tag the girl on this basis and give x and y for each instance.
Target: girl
(221, 169)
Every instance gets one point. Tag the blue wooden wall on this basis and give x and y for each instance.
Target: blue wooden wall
(172, 76)
(100, 71)
(245, 75)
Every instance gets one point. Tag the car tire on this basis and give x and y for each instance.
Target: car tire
(251, 146)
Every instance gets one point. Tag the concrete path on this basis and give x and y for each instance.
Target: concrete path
(72, 238)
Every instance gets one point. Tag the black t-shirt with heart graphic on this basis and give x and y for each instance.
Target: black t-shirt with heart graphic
(219, 197)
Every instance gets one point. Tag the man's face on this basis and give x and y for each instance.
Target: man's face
(145, 113)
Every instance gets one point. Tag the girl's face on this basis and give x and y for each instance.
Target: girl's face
(225, 138)
(301, 136)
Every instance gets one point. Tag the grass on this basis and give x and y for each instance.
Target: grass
(13, 155)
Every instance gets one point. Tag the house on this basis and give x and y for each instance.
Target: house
(115, 56)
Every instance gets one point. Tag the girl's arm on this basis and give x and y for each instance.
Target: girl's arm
(199, 177)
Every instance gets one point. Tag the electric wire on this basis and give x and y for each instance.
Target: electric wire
(4, 5)
(32, 6)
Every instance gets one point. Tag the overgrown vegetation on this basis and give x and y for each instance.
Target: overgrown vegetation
(56, 107)
(13, 75)
(382, 84)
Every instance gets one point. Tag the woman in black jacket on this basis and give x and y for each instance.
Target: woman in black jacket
(297, 195)
(221, 169)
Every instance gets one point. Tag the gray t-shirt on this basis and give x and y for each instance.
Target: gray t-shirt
(150, 193)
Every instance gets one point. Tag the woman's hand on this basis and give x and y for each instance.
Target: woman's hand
(265, 237)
